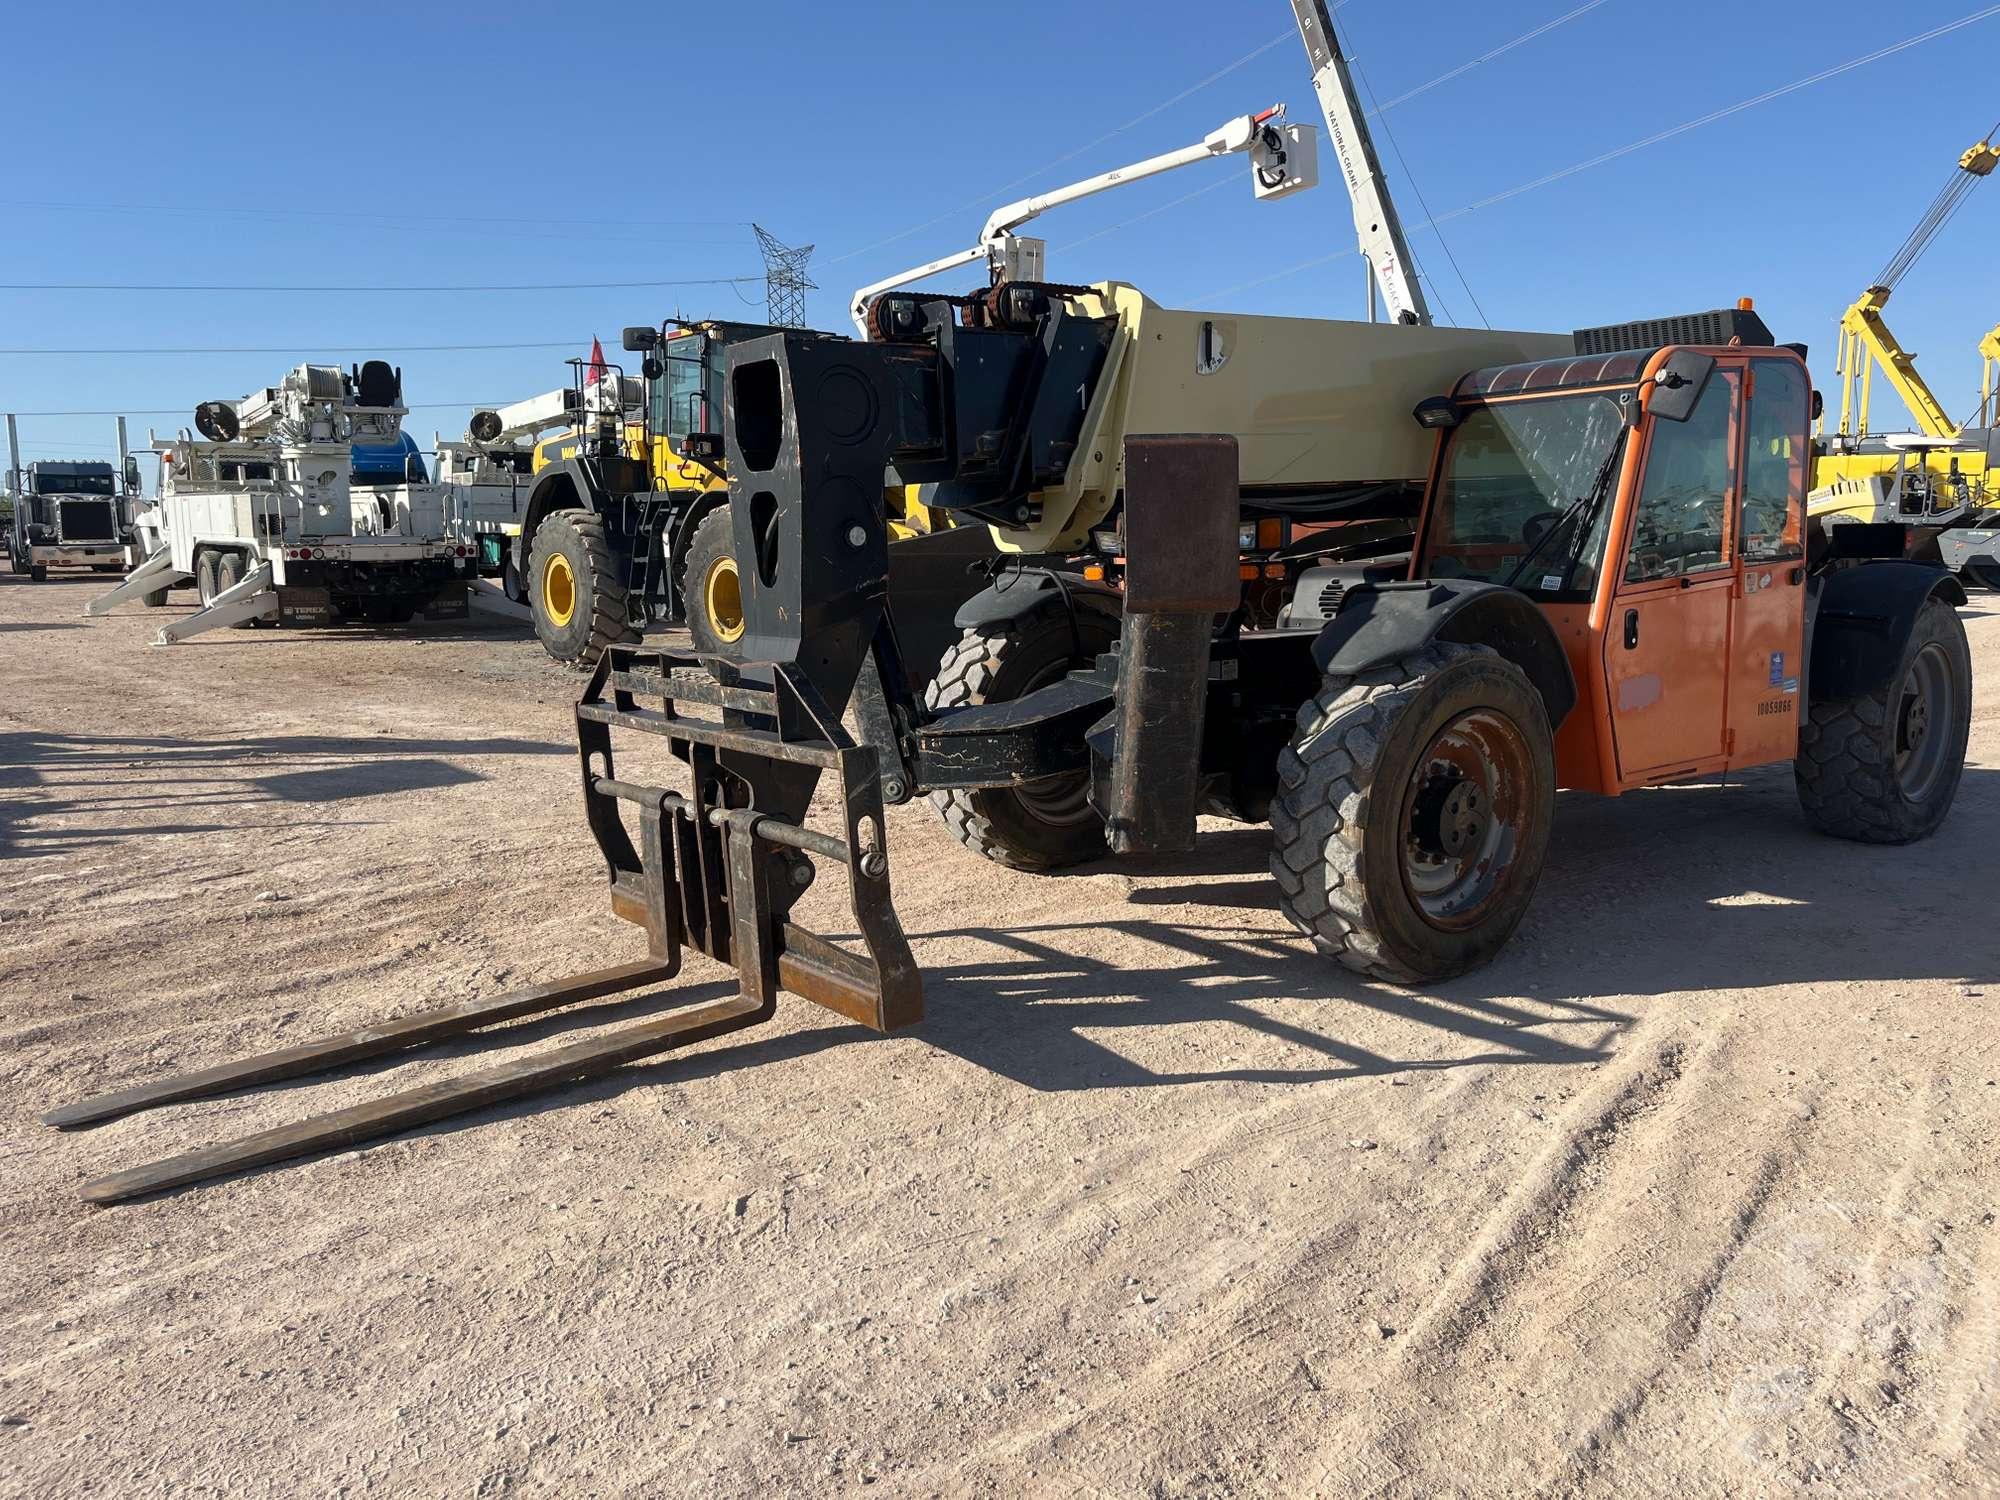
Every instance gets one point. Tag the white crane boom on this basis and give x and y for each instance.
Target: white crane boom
(1376, 225)
(1282, 161)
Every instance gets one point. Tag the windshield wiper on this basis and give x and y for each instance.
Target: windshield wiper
(1584, 509)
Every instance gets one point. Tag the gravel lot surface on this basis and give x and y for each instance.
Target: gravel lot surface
(1693, 1192)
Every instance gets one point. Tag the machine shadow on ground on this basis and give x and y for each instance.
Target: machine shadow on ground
(1695, 887)
(1674, 889)
(48, 776)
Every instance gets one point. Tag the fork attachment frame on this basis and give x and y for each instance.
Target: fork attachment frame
(719, 867)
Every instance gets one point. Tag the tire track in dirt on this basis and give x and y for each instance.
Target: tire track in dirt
(1540, 1208)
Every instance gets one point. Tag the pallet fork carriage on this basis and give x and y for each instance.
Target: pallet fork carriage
(716, 869)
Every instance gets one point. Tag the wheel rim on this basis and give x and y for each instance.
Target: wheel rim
(1465, 816)
(722, 598)
(558, 589)
(1924, 711)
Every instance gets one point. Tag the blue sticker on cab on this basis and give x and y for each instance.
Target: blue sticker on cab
(1777, 668)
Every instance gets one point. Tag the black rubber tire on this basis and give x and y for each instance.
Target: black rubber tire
(1846, 765)
(204, 578)
(38, 573)
(229, 570)
(1336, 823)
(598, 617)
(107, 567)
(155, 600)
(713, 542)
(1013, 826)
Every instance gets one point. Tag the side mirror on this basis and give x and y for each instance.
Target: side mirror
(1678, 384)
(636, 339)
(131, 474)
(1818, 405)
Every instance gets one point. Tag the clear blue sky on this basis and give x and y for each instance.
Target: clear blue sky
(308, 143)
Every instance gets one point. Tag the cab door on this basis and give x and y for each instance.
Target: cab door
(1666, 643)
(1767, 633)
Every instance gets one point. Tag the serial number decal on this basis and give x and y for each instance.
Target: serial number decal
(1774, 706)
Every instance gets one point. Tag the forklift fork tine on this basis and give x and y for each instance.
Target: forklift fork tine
(409, 1032)
(376, 1118)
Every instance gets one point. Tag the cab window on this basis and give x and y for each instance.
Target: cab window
(1513, 471)
(1774, 458)
(1682, 524)
(680, 395)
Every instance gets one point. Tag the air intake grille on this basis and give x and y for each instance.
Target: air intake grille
(87, 521)
(1717, 327)
(1329, 598)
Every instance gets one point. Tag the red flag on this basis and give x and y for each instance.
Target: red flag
(596, 371)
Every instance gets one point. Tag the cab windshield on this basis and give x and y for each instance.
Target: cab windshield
(73, 484)
(1512, 471)
(686, 397)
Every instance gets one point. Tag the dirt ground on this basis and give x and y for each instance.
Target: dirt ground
(1693, 1192)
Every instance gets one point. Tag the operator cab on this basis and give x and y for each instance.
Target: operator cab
(684, 384)
(1649, 496)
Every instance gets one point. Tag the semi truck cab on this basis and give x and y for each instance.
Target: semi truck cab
(70, 514)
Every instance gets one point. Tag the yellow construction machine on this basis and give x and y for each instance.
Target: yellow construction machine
(627, 522)
(1937, 472)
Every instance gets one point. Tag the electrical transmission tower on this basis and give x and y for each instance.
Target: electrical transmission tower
(785, 280)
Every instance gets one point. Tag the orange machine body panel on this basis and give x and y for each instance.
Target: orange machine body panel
(1687, 654)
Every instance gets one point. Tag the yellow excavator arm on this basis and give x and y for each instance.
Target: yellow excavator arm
(1865, 342)
(1989, 376)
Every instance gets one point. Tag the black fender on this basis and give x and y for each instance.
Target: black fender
(678, 534)
(563, 485)
(1382, 622)
(1015, 596)
(1859, 619)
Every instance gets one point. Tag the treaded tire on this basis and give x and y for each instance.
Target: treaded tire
(597, 617)
(1846, 766)
(204, 578)
(1337, 851)
(157, 599)
(228, 573)
(713, 541)
(1014, 826)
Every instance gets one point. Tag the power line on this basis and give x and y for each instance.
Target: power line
(992, 194)
(162, 217)
(322, 214)
(1640, 145)
(552, 286)
(1463, 68)
(1411, 178)
(176, 411)
(308, 346)
(1950, 198)
(1487, 57)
